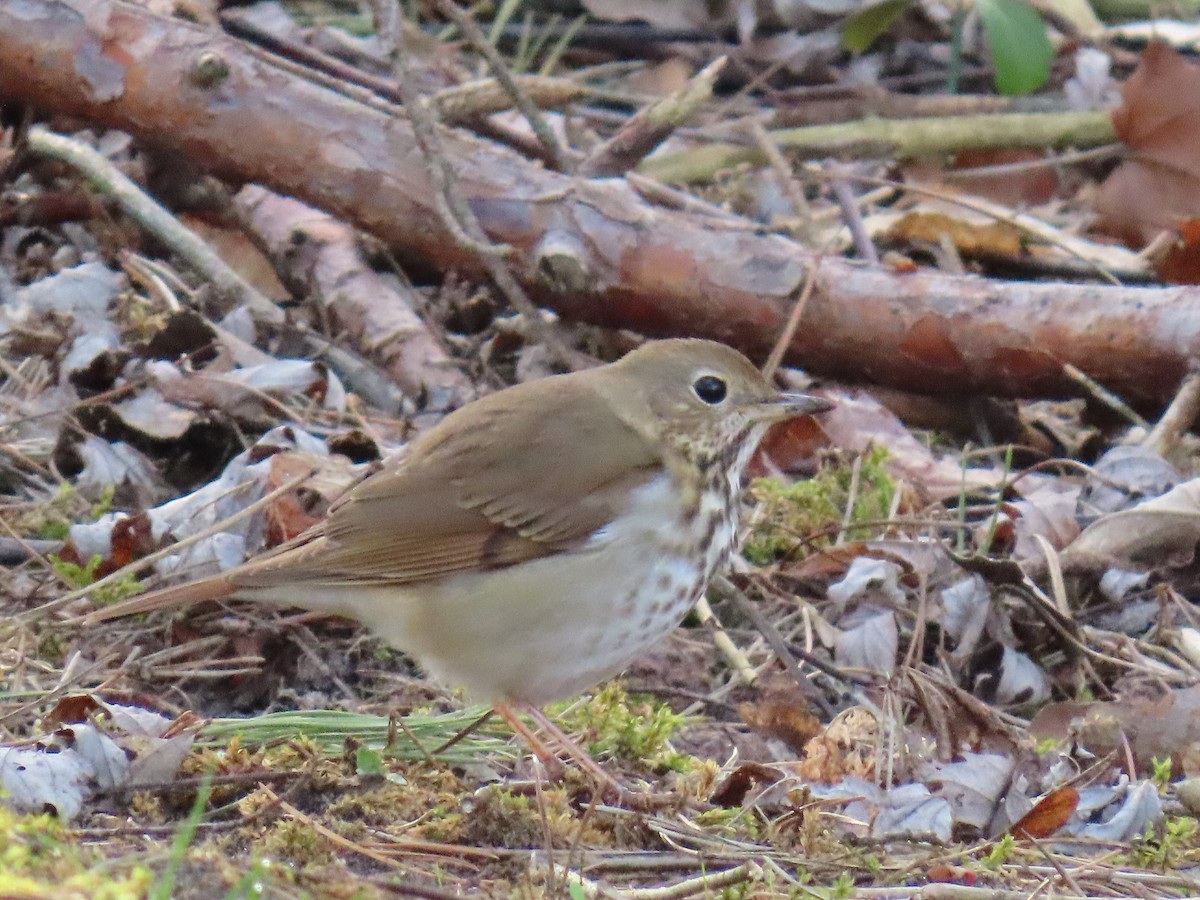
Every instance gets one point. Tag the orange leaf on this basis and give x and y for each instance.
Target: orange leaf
(782, 712)
(73, 709)
(790, 446)
(1048, 815)
(1181, 264)
(946, 873)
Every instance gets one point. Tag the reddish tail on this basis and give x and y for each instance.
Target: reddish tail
(215, 588)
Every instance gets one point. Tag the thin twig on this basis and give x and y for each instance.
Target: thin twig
(151, 216)
(1007, 170)
(650, 126)
(844, 683)
(793, 322)
(332, 836)
(1177, 418)
(851, 215)
(724, 643)
(1023, 222)
(704, 885)
(1103, 394)
(783, 172)
(457, 215)
(500, 71)
(851, 500)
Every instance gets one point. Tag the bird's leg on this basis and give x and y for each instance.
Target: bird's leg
(554, 767)
(607, 785)
(577, 754)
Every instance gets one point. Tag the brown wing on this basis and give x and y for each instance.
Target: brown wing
(491, 488)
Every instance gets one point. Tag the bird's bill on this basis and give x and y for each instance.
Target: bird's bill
(788, 406)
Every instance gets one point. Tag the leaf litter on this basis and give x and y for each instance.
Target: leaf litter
(974, 661)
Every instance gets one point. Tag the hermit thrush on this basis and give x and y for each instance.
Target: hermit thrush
(536, 540)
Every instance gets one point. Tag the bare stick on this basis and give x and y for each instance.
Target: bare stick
(1178, 417)
(733, 654)
(783, 171)
(475, 37)
(457, 215)
(851, 214)
(793, 322)
(1103, 394)
(651, 126)
(151, 216)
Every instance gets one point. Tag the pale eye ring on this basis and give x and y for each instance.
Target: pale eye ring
(710, 389)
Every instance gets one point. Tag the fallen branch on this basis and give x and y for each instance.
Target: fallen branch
(321, 256)
(904, 138)
(655, 270)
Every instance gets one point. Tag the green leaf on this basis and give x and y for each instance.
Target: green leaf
(863, 28)
(1021, 49)
(368, 762)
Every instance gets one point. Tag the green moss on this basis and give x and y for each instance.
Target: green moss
(1176, 846)
(296, 842)
(53, 519)
(1000, 853)
(634, 730)
(38, 858)
(500, 818)
(735, 823)
(77, 576)
(1161, 769)
(52, 646)
(788, 513)
(1049, 745)
(54, 529)
(843, 886)
(427, 795)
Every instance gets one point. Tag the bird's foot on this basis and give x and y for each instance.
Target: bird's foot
(608, 789)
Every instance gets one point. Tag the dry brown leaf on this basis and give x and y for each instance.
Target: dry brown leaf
(1048, 815)
(733, 790)
(1159, 120)
(241, 253)
(859, 422)
(782, 712)
(847, 747)
(1181, 263)
(1154, 727)
(790, 446)
(1162, 531)
(1032, 186)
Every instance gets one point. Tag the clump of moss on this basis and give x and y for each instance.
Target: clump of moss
(296, 842)
(427, 795)
(497, 817)
(39, 859)
(76, 576)
(146, 808)
(52, 520)
(735, 823)
(786, 513)
(633, 730)
(1172, 847)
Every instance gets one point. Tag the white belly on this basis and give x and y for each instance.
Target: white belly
(549, 628)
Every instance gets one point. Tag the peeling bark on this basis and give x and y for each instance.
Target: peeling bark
(321, 256)
(654, 270)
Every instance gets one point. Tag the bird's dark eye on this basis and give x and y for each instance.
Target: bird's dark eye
(710, 389)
